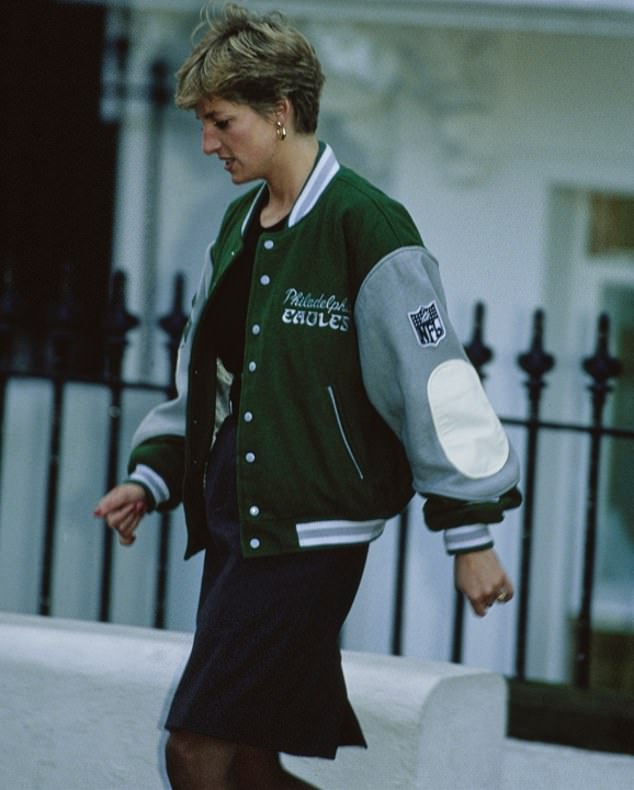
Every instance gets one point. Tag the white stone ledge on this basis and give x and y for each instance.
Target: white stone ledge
(82, 705)
(429, 726)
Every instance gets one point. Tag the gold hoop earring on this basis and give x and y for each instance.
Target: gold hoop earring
(280, 130)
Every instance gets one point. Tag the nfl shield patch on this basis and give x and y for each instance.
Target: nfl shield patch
(427, 325)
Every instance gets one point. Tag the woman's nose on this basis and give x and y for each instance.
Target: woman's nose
(209, 142)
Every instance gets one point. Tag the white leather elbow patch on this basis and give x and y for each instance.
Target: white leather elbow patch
(467, 428)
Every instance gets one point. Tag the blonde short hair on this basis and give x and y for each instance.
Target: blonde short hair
(254, 59)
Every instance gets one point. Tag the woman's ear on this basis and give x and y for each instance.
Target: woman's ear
(283, 111)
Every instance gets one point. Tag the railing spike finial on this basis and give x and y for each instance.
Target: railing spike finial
(478, 352)
(536, 361)
(173, 324)
(602, 366)
(118, 322)
(64, 319)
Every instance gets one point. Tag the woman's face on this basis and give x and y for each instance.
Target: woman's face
(240, 137)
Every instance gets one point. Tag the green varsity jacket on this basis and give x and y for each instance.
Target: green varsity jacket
(355, 391)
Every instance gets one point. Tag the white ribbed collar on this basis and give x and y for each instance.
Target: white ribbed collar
(322, 174)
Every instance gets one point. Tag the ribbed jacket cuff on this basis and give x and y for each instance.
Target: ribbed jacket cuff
(152, 482)
(473, 537)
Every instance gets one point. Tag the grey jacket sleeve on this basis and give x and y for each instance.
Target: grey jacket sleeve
(418, 378)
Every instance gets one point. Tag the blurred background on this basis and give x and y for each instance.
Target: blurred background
(504, 127)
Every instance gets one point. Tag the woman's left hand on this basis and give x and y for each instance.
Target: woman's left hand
(481, 577)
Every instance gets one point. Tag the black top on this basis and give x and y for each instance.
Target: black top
(231, 302)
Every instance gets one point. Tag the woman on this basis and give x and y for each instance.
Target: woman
(320, 333)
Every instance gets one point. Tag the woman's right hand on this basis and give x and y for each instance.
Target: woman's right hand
(122, 508)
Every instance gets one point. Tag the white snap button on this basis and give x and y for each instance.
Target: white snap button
(250, 458)
(254, 543)
(269, 244)
(248, 416)
(254, 510)
(252, 367)
(255, 329)
(265, 279)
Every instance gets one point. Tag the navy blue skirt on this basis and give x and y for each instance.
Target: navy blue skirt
(265, 667)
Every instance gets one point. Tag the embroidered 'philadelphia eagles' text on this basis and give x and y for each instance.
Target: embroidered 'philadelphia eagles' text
(325, 312)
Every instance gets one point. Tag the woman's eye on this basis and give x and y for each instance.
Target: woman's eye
(221, 124)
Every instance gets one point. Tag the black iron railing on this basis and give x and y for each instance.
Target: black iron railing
(536, 363)
(59, 373)
(601, 367)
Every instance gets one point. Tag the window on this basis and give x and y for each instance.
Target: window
(611, 224)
